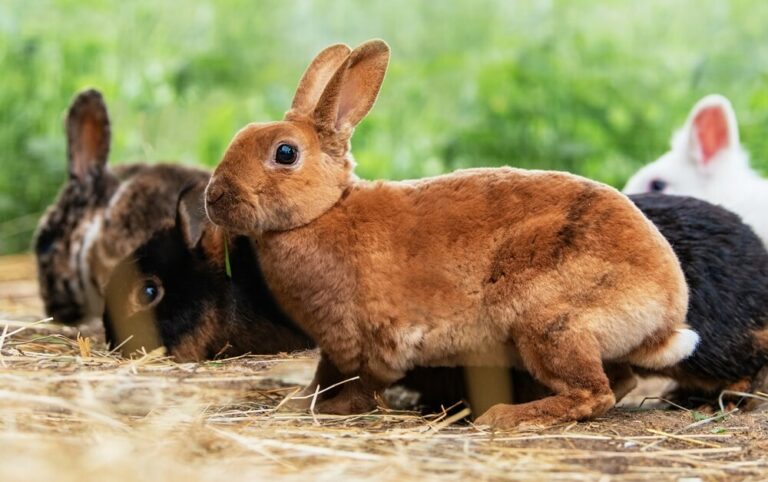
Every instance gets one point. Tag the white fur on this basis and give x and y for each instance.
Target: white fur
(679, 347)
(94, 302)
(726, 179)
(94, 298)
(121, 189)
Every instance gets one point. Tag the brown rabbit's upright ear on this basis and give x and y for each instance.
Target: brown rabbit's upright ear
(316, 77)
(353, 89)
(190, 215)
(88, 135)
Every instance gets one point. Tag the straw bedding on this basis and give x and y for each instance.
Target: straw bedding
(71, 410)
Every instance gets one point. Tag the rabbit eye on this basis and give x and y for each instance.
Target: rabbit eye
(286, 154)
(150, 292)
(657, 185)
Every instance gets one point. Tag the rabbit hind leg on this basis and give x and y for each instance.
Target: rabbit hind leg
(568, 361)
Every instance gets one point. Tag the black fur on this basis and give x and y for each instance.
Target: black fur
(726, 267)
(248, 318)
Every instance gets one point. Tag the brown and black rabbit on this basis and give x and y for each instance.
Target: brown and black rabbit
(543, 270)
(100, 214)
(175, 291)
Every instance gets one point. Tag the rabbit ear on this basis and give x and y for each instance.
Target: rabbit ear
(712, 129)
(190, 215)
(316, 77)
(88, 135)
(353, 89)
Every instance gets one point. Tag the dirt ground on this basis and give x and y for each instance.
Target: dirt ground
(70, 410)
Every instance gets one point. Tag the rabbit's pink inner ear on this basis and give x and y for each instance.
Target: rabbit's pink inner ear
(317, 76)
(362, 82)
(88, 134)
(353, 89)
(89, 145)
(711, 131)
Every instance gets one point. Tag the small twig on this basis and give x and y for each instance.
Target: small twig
(114, 350)
(326, 389)
(664, 400)
(29, 325)
(685, 439)
(450, 420)
(2, 341)
(286, 399)
(756, 395)
(312, 405)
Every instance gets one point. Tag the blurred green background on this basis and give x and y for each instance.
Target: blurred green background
(591, 87)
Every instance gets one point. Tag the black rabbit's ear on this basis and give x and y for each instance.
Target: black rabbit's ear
(190, 214)
(88, 135)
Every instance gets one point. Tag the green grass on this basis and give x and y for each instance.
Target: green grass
(590, 87)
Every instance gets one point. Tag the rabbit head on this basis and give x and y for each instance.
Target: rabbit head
(174, 291)
(706, 159)
(71, 223)
(280, 175)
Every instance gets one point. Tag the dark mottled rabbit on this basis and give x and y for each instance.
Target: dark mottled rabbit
(100, 215)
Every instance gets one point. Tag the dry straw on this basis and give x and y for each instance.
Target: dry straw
(71, 410)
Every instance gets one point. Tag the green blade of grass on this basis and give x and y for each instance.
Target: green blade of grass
(227, 266)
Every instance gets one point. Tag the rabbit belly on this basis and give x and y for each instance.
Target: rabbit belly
(494, 355)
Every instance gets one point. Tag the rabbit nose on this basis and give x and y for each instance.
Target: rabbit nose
(214, 192)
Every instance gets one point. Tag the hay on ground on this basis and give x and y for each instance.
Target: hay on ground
(72, 411)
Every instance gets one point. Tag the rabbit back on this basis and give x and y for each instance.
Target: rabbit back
(478, 244)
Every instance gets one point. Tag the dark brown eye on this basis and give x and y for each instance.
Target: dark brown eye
(286, 154)
(657, 185)
(149, 292)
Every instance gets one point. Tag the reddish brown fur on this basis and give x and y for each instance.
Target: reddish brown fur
(485, 266)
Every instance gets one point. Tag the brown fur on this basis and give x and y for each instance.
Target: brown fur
(100, 215)
(761, 340)
(480, 267)
(146, 204)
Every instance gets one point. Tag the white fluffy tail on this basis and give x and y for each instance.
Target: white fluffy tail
(676, 348)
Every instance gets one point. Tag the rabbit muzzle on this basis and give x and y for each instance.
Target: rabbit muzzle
(227, 206)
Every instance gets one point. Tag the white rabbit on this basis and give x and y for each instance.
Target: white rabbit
(707, 161)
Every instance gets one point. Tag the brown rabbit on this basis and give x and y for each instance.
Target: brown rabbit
(100, 215)
(544, 270)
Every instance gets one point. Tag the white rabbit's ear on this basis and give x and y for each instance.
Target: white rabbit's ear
(316, 77)
(353, 89)
(88, 135)
(711, 130)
